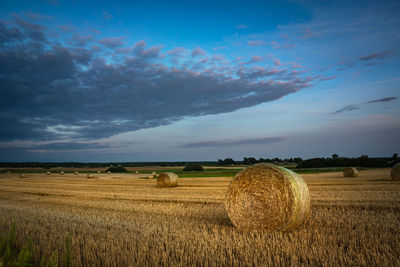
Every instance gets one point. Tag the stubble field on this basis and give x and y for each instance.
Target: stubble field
(124, 220)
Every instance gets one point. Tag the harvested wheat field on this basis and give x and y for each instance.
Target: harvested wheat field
(124, 220)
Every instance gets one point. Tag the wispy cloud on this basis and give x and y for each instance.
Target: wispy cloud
(198, 52)
(112, 42)
(358, 106)
(256, 43)
(379, 55)
(241, 26)
(252, 141)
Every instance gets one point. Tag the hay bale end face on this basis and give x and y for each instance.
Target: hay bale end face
(22, 175)
(98, 172)
(48, 173)
(61, 172)
(350, 172)
(76, 173)
(108, 172)
(267, 197)
(90, 176)
(395, 172)
(137, 172)
(167, 179)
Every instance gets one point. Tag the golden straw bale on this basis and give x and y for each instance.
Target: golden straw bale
(150, 177)
(48, 173)
(267, 197)
(76, 172)
(350, 172)
(167, 179)
(90, 176)
(62, 172)
(98, 172)
(22, 175)
(108, 172)
(395, 173)
(137, 172)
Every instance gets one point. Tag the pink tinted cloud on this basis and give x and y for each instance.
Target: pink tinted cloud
(256, 43)
(253, 59)
(112, 42)
(198, 52)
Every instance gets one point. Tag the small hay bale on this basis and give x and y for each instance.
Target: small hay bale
(137, 172)
(153, 173)
(167, 179)
(108, 172)
(267, 197)
(90, 176)
(8, 172)
(76, 173)
(98, 172)
(48, 173)
(395, 172)
(61, 172)
(150, 177)
(350, 172)
(22, 175)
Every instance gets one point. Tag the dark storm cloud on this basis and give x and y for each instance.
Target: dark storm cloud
(50, 90)
(346, 108)
(253, 141)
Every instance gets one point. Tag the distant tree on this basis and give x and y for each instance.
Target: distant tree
(193, 167)
(116, 169)
(335, 156)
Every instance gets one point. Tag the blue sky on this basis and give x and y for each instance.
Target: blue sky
(198, 80)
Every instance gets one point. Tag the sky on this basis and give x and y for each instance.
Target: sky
(122, 81)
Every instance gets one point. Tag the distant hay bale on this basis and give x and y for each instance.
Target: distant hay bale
(108, 172)
(137, 172)
(395, 173)
(167, 179)
(90, 176)
(267, 197)
(153, 173)
(350, 172)
(22, 175)
(48, 173)
(61, 172)
(76, 173)
(150, 177)
(98, 172)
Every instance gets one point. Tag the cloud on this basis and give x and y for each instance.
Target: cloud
(241, 26)
(80, 40)
(358, 106)
(386, 99)
(198, 52)
(346, 108)
(52, 91)
(112, 42)
(256, 43)
(254, 59)
(253, 141)
(379, 55)
(107, 15)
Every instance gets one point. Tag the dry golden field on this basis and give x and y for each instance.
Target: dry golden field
(124, 220)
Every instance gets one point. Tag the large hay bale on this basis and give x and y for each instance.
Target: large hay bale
(76, 172)
(350, 172)
(167, 179)
(395, 172)
(267, 197)
(48, 173)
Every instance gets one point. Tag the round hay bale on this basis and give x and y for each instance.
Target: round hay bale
(98, 172)
(61, 172)
(167, 179)
(22, 175)
(108, 172)
(76, 173)
(395, 172)
(137, 172)
(90, 176)
(153, 173)
(267, 197)
(150, 177)
(350, 172)
(48, 173)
